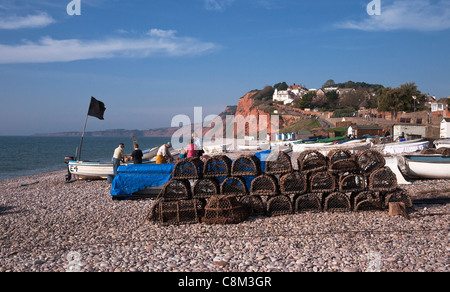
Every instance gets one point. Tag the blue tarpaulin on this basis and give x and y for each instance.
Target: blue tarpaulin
(133, 178)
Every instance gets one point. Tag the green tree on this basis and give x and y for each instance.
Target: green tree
(307, 99)
(329, 83)
(332, 99)
(281, 86)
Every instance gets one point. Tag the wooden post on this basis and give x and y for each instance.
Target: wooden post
(398, 208)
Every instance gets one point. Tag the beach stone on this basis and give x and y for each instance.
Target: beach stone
(115, 235)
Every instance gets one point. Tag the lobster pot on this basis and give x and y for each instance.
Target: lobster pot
(344, 165)
(224, 210)
(278, 163)
(443, 151)
(254, 205)
(308, 203)
(294, 183)
(264, 185)
(177, 212)
(188, 168)
(398, 195)
(352, 183)
(370, 160)
(311, 161)
(322, 182)
(338, 154)
(217, 166)
(339, 202)
(279, 205)
(246, 165)
(429, 151)
(234, 186)
(205, 188)
(367, 201)
(383, 180)
(176, 190)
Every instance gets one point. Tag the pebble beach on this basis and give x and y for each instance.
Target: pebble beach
(47, 225)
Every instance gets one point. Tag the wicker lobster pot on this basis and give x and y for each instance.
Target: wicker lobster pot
(398, 195)
(177, 212)
(176, 189)
(312, 161)
(254, 205)
(344, 165)
(217, 166)
(224, 210)
(339, 202)
(279, 205)
(429, 151)
(188, 168)
(383, 180)
(338, 154)
(205, 188)
(322, 182)
(443, 151)
(264, 185)
(308, 203)
(370, 160)
(234, 186)
(352, 183)
(294, 183)
(278, 163)
(246, 165)
(367, 201)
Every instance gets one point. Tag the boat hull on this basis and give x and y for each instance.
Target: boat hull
(325, 148)
(428, 166)
(93, 170)
(442, 143)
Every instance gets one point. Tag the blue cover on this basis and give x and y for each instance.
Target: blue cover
(133, 178)
(262, 156)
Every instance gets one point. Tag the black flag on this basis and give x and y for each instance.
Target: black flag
(96, 109)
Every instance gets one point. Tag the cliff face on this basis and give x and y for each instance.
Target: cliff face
(255, 116)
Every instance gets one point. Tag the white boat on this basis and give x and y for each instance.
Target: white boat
(254, 147)
(85, 170)
(444, 143)
(427, 166)
(402, 147)
(324, 148)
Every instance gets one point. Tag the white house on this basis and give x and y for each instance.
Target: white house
(445, 128)
(285, 96)
(410, 132)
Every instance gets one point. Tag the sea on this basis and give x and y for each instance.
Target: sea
(27, 155)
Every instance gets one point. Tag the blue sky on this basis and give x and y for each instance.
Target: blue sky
(151, 60)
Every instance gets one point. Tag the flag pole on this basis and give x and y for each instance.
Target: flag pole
(82, 137)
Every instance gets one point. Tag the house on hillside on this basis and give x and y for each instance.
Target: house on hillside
(440, 107)
(285, 96)
(359, 131)
(445, 128)
(288, 96)
(342, 91)
(298, 90)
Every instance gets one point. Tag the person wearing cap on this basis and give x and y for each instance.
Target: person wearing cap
(164, 154)
(118, 157)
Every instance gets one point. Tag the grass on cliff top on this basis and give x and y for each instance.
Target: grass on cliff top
(301, 125)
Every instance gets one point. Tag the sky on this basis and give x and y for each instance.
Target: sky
(150, 60)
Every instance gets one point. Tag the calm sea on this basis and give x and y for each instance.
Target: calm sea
(21, 156)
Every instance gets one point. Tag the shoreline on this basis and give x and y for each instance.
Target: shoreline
(42, 224)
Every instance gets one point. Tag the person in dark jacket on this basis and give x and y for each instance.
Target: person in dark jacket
(137, 155)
